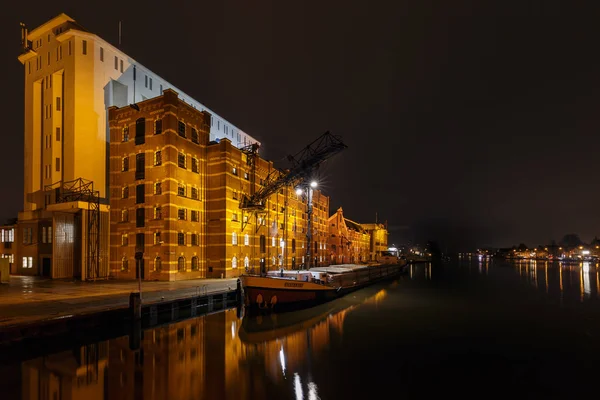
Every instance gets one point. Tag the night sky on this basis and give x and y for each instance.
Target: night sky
(470, 124)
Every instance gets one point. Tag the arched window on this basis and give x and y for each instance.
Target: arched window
(273, 260)
(194, 263)
(246, 262)
(246, 240)
(272, 241)
(234, 262)
(124, 264)
(157, 264)
(233, 238)
(181, 264)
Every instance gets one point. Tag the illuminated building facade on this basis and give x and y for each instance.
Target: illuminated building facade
(175, 197)
(7, 246)
(378, 239)
(349, 242)
(71, 77)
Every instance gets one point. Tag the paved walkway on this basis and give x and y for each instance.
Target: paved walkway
(28, 299)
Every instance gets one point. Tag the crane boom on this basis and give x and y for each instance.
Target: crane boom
(304, 163)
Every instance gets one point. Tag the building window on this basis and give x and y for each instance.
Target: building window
(195, 136)
(124, 215)
(158, 126)
(161, 89)
(246, 262)
(234, 262)
(293, 245)
(125, 192)
(195, 193)
(182, 214)
(246, 240)
(140, 166)
(157, 212)
(157, 158)
(234, 238)
(234, 170)
(27, 262)
(181, 239)
(194, 164)
(125, 134)
(195, 239)
(124, 240)
(140, 217)
(181, 128)
(121, 65)
(273, 260)
(125, 164)
(102, 54)
(139, 241)
(57, 164)
(181, 160)
(194, 263)
(140, 131)
(116, 61)
(157, 238)
(150, 84)
(234, 195)
(195, 215)
(263, 244)
(124, 264)
(84, 47)
(246, 176)
(181, 264)
(44, 235)
(234, 217)
(157, 264)
(58, 105)
(158, 188)
(180, 189)
(272, 241)
(146, 80)
(140, 194)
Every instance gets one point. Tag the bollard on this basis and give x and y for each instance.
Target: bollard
(238, 291)
(135, 306)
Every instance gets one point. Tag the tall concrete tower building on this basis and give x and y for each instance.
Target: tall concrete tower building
(71, 77)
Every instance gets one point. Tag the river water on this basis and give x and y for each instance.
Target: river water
(475, 328)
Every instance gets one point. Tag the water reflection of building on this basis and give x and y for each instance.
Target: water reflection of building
(170, 363)
(80, 374)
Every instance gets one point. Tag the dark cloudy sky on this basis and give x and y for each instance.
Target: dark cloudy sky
(469, 122)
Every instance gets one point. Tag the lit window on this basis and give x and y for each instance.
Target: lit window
(273, 241)
(246, 240)
(246, 262)
(234, 262)
(233, 238)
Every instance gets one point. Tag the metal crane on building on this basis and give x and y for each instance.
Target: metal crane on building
(303, 167)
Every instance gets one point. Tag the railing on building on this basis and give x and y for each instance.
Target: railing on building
(83, 190)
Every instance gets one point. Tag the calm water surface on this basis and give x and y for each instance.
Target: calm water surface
(471, 328)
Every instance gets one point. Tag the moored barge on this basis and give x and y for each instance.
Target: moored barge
(287, 290)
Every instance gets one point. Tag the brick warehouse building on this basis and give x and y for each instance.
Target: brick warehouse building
(175, 196)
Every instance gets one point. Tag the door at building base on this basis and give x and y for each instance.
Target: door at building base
(46, 267)
(140, 267)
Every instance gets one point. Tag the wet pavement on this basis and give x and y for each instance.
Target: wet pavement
(28, 299)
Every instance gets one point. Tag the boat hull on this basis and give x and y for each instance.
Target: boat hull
(268, 294)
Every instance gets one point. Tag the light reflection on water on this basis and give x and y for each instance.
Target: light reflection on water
(557, 279)
(439, 323)
(217, 356)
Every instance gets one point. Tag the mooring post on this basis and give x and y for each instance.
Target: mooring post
(135, 306)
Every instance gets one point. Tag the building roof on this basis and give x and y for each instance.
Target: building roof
(353, 225)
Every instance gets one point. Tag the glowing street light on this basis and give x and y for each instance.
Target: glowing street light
(313, 184)
(298, 191)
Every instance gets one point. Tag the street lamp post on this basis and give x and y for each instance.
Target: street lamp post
(308, 189)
